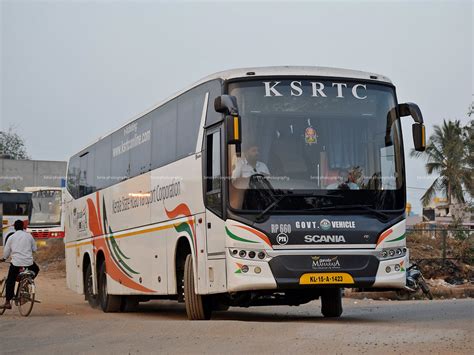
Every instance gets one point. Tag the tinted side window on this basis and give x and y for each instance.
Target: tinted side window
(120, 168)
(86, 176)
(140, 152)
(190, 107)
(73, 174)
(15, 209)
(90, 175)
(213, 172)
(163, 143)
(103, 155)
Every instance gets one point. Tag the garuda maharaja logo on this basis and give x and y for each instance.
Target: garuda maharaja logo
(319, 262)
(325, 224)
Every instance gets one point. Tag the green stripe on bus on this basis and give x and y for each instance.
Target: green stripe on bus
(397, 239)
(233, 236)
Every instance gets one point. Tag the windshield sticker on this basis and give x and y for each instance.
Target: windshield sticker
(310, 136)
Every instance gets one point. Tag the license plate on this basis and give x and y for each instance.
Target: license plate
(330, 278)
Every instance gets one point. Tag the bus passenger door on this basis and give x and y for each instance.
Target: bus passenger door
(215, 236)
(213, 197)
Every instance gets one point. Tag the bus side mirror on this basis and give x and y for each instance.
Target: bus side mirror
(226, 104)
(418, 128)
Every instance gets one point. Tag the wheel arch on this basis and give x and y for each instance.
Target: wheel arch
(87, 260)
(100, 258)
(181, 250)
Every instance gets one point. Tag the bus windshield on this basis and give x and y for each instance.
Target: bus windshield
(305, 137)
(46, 210)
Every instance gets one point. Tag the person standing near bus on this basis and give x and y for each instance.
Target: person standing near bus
(20, 246)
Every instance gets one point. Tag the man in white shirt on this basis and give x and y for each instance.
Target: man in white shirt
(248, 166)
(20, 246)
(244, 168)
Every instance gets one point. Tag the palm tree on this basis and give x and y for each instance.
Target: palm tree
(447, 155)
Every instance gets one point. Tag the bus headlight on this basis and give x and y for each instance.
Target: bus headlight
(258, 255)
(391, 253)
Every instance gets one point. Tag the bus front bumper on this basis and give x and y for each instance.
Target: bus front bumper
(314, 268)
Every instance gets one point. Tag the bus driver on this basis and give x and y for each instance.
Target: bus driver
(249, 165)
(244, 168)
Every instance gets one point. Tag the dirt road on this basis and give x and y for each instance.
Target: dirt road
(64, 323)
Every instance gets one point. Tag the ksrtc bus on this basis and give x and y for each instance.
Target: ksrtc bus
(260, 186)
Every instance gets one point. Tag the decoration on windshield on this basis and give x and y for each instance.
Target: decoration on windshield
(310, 136)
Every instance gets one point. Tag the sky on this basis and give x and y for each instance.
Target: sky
(72, 71)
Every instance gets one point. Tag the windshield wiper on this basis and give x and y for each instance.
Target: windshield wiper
(282, 197)
(381, 216)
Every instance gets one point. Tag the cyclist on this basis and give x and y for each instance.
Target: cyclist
(20, 246)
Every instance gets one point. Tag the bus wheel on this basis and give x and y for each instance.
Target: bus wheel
(198, 307)
(108, 303)
(331, 302)
(89, 288)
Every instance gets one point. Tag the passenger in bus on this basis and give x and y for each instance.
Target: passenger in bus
(348, 181)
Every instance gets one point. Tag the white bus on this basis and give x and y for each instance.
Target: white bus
(261, 186)
(14, 205)
(46, 218)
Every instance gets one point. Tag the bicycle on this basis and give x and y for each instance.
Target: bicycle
(24, 297)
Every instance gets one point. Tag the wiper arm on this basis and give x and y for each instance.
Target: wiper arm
(282, 197)
(368, 208)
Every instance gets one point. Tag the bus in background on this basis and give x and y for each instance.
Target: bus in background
(258, 186)
(46, 220)
(14, 205)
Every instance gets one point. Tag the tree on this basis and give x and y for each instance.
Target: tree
(447, 154)
(12, 144)
(468, 141)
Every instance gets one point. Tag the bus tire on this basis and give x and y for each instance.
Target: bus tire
(198, 307)
(331, 302)
(89, 288)
(108, 303)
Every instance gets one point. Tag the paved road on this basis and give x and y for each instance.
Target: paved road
(63, 323)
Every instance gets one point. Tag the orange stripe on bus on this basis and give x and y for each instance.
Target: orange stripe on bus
(384, 235)
(130, 234)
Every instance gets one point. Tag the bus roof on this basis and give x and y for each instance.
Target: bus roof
(296, 71)
(256, 72)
